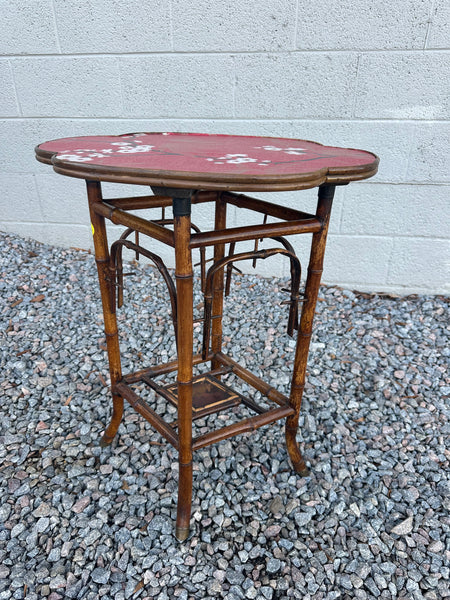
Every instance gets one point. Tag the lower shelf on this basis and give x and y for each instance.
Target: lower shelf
(209, 395)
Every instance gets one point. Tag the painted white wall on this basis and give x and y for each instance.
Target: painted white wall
(352, 73)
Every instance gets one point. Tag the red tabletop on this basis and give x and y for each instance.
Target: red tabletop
(206, 161)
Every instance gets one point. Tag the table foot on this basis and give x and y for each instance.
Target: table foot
(104, 441)
(116, 419)
(304, 473)
(181, 533)
(300, 468)
(295, 455)
(184, 502)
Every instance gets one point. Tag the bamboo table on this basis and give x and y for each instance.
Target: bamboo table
(184, 170)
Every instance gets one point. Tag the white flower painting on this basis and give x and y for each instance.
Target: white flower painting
(74, 157)
(86, 154)
(233, 159)
(131, 144)
(294, 150)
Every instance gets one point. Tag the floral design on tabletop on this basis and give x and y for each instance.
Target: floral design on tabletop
(136, 145)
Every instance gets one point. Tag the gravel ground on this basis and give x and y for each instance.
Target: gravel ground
(79, 521)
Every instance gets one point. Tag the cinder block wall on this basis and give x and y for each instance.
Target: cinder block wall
(368, 75)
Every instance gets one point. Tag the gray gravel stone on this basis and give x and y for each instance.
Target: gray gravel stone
(100, 575)
(303, 519)
(273, 565)
(436, 547)
(404, 527)
(4, 571)
(234, 577)
(276, 505)
(54, 555)
(42, 524)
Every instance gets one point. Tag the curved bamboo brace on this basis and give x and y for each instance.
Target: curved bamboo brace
(229, 269)
(116, 259)
(263, 254)
(117, 264)
(293, 302)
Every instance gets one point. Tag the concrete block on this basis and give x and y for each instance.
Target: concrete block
(63, 199)
(398, 210)
(429, 157)
(227, 126)
(128, 124)
(113, 26)
(421, 263)
(354, 260)
(234, 26)
(203, 215)
(360, 25)
(66, 87)
(123, 190)
(8, 103)
(27, 27)
(56, 234)
(293, 86)
(19, 200)
(18, 154)
(403, 86)
(177, 86)
(439, 35)
(35, 231)
(24, 134)
(67, 236)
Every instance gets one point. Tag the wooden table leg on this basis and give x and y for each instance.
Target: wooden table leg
(218, 285)
(110, 322)
(184, 281)
(315, 269)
